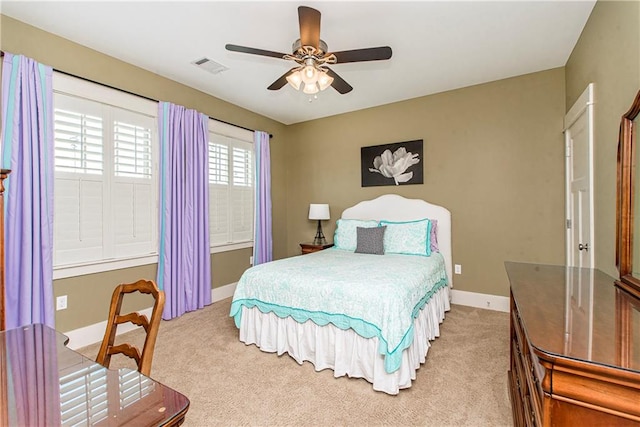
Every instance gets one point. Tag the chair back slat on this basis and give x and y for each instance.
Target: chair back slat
(135, 318)
(143, 358)
(127, 350)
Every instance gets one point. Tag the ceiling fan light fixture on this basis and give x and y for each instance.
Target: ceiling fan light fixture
(324, 80)
(309, 74)
(295, 79)
(310, 89)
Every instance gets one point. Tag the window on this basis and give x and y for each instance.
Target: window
(106, 180)
(231, 183)
(105, 191)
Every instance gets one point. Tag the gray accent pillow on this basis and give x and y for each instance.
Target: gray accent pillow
(370, 240)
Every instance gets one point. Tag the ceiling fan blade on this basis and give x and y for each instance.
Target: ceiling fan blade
(338, 82)
(359, 55)
(279, 84)
(309, 26)
(252, 51)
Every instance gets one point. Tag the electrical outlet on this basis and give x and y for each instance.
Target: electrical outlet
(61, 302)
(458, 269)
(251, 260)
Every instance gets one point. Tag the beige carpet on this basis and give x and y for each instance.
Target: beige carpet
(463, 382)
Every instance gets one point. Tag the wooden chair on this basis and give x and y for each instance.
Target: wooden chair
(107, 349)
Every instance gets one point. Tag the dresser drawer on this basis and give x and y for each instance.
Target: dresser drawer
(525, 376)
(516, 399)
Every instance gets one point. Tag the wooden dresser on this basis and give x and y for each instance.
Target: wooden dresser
(575, 348)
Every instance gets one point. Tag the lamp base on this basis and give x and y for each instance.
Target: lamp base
(319, 239)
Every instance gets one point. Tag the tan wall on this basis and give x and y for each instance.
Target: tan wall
(88, 296)
(607, 54)
(493, 155)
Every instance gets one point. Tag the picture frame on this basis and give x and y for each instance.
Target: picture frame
(398, 163)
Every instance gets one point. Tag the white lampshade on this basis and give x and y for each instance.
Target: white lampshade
(309, 74)
(319, 211)
(295, 79)
(310, 88)
(324, 80)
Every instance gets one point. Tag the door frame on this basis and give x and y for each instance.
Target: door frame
(584, 104)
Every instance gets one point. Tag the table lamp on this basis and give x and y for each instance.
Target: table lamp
(319, 212)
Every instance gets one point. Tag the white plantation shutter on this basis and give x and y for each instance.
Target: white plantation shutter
(134, 216)
(242, 164)
(219, 209)
(218, 163)
(105, 191)
(133, 199)
(78, 135)
(218, 192)
(78, 186)
(132, 146)
(78, 208)
(242, 192)
(230, 190)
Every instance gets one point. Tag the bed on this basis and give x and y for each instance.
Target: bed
(350, 309)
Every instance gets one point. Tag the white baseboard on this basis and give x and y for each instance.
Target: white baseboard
(223, 292)
(486, 301)
(92, 334)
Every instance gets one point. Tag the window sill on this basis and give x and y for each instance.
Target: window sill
(64, 271)
(231, 247)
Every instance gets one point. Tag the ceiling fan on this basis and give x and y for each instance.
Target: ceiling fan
(312, 58)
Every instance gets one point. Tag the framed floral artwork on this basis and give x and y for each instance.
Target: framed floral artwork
(399, 163)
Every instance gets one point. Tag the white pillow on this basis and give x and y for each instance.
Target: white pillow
(346, 235)
(408, 237)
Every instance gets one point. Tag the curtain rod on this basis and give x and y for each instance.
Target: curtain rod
(138, 95)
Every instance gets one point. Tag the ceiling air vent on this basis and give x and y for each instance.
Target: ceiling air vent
(210, 65)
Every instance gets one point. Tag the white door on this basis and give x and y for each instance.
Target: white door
(578, 132)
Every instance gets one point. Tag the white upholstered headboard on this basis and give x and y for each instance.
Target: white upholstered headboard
(393, 207)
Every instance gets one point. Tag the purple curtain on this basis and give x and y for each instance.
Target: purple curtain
(262, 240)
(27, 116)
(184, 264)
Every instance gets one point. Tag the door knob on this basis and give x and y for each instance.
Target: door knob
(583, 247)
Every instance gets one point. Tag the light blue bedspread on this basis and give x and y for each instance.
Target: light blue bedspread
(375, 295)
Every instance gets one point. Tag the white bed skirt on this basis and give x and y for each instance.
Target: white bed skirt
(345, 352)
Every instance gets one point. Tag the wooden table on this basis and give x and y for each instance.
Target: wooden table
(575, 348)
(44, 383)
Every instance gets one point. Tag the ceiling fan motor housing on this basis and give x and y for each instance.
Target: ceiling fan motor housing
(297, 48)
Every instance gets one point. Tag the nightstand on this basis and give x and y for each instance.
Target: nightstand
(309, 247)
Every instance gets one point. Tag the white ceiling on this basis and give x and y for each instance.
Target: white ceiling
(437, 46)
